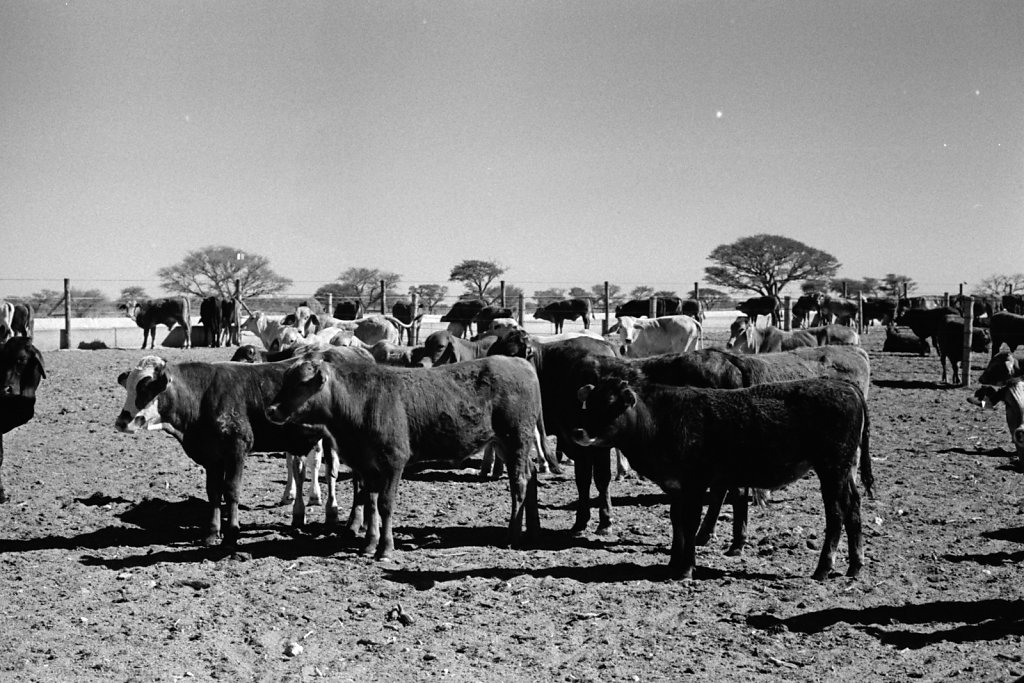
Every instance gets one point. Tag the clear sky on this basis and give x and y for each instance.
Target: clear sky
(573, 142)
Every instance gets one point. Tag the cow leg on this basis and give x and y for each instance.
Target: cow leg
(313, 460)
(707, 525)
(214, 485)
(603, 464)
(740, 507)
(3, 494)
(297, 473)
(522, 484)
(583, 471)
(385, 509)
(331, 469)
(361, 514)
(491, 466)
(850, 503)
(622, 468)
(232, 492)
(830, 493)
(685, 509)
(289, 485)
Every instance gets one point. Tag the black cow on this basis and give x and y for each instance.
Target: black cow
(1001, 368)
(925, 322)
(402, 310)
(949, 340)
(489, 313)
(461, 316)
(897, 342)
(21, 369)
(388, 417)
(216, 411)
(687, 440)
(148, 314)
(558, 312)
(882, 310)
(804, 307)
(349, 310)
(211, 320)
(1013, 303)
(228, 322)
(641, 308)
(761, 305)
(443, 347)
(842, 311)
(1006, 328)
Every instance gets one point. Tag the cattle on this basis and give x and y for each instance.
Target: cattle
(461, 316)
(981, 307)
(560, 366)
(925, 322)
(1013, 303)
(757, 306)
(668, 334)
(1011, 395)
(210, 318)
(229, 322)
(386, 353)
(402, 310)
(21, 370)
(840, 311)
(641, 308)
(689, 439)
(1001, 368)
(1006, 328)
(148, 314)
(301, 319)
(16, 319)
(443, 347)
(949, 339)
(803, 308)
(557, 312)
(745, 338)
(882, 310)
(389, 417)
(897, 342)
(498, 326)
(216, 411)
(351, 309)
(264, 327)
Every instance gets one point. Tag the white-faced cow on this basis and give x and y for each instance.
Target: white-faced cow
(21, 369)
(688, 440)
(388, 417)
(650, 336)
(148, 314)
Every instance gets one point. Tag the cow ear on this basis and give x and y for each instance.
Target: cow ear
(122, 379)
(39, 359)
(584, 392)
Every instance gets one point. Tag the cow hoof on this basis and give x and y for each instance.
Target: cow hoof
(854, 571)
(703, 539)
(578, 529)
(313, 502)
(3, 497)
(211, 540)
(734, 551)
(605, 530)
(820, 575)
(285, 500)
(680, 573)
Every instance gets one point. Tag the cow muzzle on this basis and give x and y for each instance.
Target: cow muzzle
(128, 424)
(275, 414)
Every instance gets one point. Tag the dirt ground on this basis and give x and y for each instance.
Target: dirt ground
(102, 579)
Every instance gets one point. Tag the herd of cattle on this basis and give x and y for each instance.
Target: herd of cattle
(702, 423)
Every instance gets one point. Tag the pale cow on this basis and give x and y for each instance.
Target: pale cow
(652, 336)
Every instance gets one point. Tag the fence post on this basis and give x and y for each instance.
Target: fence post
(235, 336)
(787, 312)
(845, 295)
(604, 324)
(860, 313)
(330, 303)
(65, 343)
(501, 295)
(383, 300)
(414, 332)
(945, 299)
(968, 314)
(520, 308)
(696, 291)
(652, 309)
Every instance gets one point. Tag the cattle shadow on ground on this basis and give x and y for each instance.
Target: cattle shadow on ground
(619, 573)
(447, 538)
(979, 620)
(996, 559)
(990, 453)
(1015, 535)
(911, 384)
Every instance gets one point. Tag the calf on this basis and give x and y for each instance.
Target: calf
(1010, 394)
(744, 337)
(229, 322)
(169, 312)
(216, 412)
(443, 347)
(768, 436)
(897, 342)
(21, 370)
(388, 417)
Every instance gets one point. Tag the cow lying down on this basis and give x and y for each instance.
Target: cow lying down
(688, 440)
(216, 411)
(386, 417)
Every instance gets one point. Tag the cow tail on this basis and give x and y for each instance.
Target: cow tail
(867, 479)
(545, 449)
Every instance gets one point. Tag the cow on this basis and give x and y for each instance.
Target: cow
(981, 307)
(389, 417)
(150, 313)
(688, 439)
(745, 338)
(1013, 303)
(949, 338)
(302, 319)
(641, 308)
(16, 319)
(461, 316)
(1001, 368)
(1011, 395)
(402, 310)
(498, 326)
(840, 311)
(351, 309)
(210, 318)
(667, 334)
(558, 365)
(882, 310)
(897, 342)
(557, 312)
(443, 347)
(386, 353)
(21, 370)
(1006, 328)
(216, 411)
(229, 322)
(925, 322)
(757, 306)
(803, 308)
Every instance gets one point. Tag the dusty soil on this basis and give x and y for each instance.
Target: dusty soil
(102, 580)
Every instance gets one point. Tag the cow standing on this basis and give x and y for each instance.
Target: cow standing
(388, 417)
(229, 322)
(402, 311)
(557, 312)
(21, 369)
(148, 314)
(687, 440)
(210, 319)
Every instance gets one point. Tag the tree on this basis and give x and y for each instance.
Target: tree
(132, 292)
(995, 286)
(866, 286)
(430, 295)
(335, 292)
(713, 298)
(212, 271)
(511, 295)
(364, 284)
(578, 293)
(893, 285)
(665, 294)
(766, 263)
(614, 295)
(546, 296)
(477, 276)
(641, 292)
(84, 302)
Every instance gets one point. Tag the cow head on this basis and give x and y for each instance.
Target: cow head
(247, 353)
(604, 407)
(131, 308)
(299, 387)
(144, 384)
(1011, 395)
(738, 332)
(22, 365)
(515, 343)
(1002, 368)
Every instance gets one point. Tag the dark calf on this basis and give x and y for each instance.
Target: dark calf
(21, 369)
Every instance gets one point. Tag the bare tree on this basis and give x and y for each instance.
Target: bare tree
(213, 270)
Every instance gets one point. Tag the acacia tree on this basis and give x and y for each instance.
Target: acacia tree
(766, 263)
(713, 298)
(364, 284)
(477, 276)
(430, 295)
(212, 271)
(641, 292)
(894, 285)
(614, 295)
